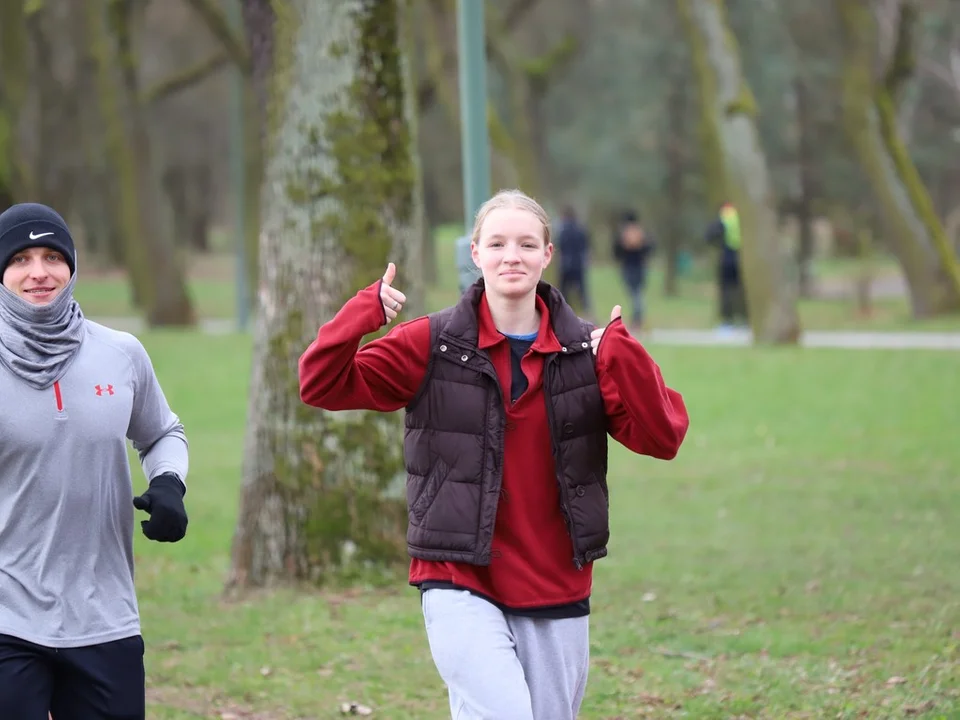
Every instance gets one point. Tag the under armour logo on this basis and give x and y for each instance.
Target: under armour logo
(101, 390)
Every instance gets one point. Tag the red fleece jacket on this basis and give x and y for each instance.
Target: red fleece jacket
(532, 551)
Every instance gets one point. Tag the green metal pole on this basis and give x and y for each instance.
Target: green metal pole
(474, 139)
(238, 175)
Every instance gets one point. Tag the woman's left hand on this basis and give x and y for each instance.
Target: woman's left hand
(598, 333)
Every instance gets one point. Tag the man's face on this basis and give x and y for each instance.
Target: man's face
(37, 274)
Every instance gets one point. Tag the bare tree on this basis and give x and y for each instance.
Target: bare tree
(339, 200)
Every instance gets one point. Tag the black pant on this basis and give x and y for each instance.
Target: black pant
(575, 279)
(97, 682)
(733, 305)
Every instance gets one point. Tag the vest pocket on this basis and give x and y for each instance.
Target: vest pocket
(428, 491)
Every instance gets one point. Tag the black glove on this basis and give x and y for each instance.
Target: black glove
(164, 501)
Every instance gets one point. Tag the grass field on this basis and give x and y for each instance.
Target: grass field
(213, 291)
(799, 559)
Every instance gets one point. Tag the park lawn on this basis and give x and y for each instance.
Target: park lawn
(797, 560)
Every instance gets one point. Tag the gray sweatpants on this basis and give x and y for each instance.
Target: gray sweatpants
(506, 667)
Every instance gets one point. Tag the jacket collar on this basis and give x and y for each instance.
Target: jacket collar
(560, 328)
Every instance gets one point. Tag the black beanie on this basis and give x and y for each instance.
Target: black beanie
(30, 225)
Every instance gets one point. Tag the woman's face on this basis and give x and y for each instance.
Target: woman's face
(511, 252)
(37, 275)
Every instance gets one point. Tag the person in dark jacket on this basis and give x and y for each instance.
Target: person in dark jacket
(632, 247)
(724, 233)
(509, 398)
(573, 243)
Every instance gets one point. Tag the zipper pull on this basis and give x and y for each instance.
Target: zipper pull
(577, 564)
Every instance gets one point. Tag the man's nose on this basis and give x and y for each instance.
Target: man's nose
(37, 269)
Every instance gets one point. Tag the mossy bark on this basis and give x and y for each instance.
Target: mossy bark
(736, 170)
(929, 264)
(324, 493)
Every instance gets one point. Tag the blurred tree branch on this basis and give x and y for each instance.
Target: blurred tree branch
(182, 79)
(219, 26)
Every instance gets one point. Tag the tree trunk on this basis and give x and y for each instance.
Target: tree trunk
(119, 155)
(325, 492)
(156, 275)
(804, 209)
(930, 266)
(188, 189)
(14, 82)
(677, 115)
(426, 244)
(737, 170)
(168, 303)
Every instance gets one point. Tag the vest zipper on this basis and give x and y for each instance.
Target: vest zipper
(487, 369)
(564, 490)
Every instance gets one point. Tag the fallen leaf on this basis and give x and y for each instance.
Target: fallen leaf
(895, 680)
(265, 671)
(352, 708)
(649, 597)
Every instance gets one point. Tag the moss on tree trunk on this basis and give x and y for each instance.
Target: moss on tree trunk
(324, 493)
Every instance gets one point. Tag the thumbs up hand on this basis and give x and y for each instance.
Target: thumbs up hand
(598, 333)
(391, 298)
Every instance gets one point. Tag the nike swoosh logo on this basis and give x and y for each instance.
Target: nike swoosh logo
(37, 237)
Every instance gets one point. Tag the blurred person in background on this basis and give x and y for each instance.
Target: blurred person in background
(724, 233)
(633, 246)
(573, 244)
(467, 270)
(73, 392)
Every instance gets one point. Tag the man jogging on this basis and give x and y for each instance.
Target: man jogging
(73, 391)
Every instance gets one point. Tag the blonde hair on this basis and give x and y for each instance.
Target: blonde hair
(515, 199)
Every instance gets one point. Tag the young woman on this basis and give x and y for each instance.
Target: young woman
(72, 393)
(509, 398)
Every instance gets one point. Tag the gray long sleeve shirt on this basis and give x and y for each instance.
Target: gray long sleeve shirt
(66, 495)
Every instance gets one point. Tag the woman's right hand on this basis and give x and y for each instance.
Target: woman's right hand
(391, 298)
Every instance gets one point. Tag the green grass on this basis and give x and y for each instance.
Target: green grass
(800, 553)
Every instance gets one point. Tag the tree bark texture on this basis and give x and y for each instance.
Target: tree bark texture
(736, 169)
(324, 493)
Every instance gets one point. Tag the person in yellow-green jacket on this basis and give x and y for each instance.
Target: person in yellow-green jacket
(724, 233)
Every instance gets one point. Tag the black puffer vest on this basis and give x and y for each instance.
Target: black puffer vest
(453, 442)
